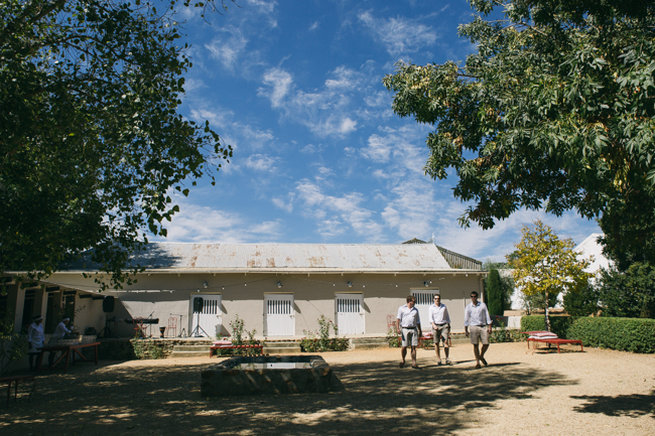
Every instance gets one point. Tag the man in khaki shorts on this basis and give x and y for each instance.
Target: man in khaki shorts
(440, 320)
(408, 323)
(477, 325)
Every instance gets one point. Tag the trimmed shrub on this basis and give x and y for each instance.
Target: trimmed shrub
(333, 344)
(625, 334)
(559, 324)
(151, 348)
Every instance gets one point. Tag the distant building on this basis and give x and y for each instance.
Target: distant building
(590, 247)
(279, 290)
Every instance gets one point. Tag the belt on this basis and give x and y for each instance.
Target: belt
(443, 323)
(410, 328)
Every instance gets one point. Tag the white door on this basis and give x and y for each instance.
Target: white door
(425, 299)
(350, 314)
(279, 319)
(207, 321)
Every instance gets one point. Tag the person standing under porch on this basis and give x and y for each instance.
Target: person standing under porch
(477, 325)
(35, 339)
(440, 320)
(409, 325)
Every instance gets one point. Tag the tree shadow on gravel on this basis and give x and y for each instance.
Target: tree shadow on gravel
(377, 397)
(619, 405)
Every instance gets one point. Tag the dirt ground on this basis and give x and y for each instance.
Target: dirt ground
(520, 392)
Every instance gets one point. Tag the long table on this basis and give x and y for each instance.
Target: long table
(555, 341)
(68, 353)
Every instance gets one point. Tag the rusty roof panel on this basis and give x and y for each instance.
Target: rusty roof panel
(293, 257)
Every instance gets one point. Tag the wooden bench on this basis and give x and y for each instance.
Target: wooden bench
(69, 351)
(555, 341)
(16, 380)
(258, 348)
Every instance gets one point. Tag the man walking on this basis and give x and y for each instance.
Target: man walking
(440, 320)
(409, 326)
(477, 324)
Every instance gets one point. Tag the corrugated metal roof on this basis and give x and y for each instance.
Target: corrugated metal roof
(167, 256)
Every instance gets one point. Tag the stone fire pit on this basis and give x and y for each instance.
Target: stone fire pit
(268, 375)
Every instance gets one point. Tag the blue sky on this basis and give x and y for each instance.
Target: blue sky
(319, 157)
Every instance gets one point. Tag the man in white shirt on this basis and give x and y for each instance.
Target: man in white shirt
(62, 329)
(477, 324)
(440, 320)
(409, 326)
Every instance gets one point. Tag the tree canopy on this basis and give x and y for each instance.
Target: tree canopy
(554, 110)
(629, 293)
(546, 265)
(91, 142)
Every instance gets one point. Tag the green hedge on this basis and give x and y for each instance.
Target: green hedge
(559, 324)
(625, 334)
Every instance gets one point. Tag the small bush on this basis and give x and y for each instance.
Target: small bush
(625, 334)
(149, 349)
(238, 332)
(311, 345)
(324, 342)
(393, 338)
(502, 334)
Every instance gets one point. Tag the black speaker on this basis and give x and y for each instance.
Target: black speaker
(108, 304)
(197, 305)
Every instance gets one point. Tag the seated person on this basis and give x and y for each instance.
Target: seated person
(63, 328)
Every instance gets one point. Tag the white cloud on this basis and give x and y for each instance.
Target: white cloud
(232, 131)
(378, 149)
(346, 209)
(325, 112)
(399, 35)
(266, 8)
(402, 147)
(344, 79)
(285, 205)
(204, 224)
(227, 47)
(278, 83)
(260, 162)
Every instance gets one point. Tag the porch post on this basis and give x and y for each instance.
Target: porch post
(20, 304)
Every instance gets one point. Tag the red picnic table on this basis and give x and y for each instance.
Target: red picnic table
(550, 338)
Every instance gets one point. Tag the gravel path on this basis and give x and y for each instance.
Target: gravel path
(521, 392)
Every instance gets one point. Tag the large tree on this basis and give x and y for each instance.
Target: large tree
(629, 293)
(554, 109)
(546, 265)
(91, 140)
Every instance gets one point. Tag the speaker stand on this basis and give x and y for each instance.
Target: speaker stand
(196, 331)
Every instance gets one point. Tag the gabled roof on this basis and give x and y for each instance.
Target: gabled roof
(275, 257)
(591, 247)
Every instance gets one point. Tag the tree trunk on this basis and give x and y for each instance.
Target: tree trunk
(546, 314)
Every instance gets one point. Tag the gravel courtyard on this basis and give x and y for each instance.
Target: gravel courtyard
(521, 392)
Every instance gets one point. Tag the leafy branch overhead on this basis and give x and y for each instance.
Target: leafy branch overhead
(91, 140)
(554, 110)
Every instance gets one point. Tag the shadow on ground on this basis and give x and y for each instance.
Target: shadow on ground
(377, 397)
(619, 405)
